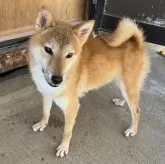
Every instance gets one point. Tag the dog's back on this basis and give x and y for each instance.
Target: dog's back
(120, 53)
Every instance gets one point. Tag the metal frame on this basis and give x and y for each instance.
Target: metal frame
(14, 44)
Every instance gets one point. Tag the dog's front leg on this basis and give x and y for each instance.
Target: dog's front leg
(47, 104)
(70, 116)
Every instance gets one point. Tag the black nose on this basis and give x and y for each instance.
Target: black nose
(56, 79)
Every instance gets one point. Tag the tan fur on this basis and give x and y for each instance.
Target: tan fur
(121, 55)
(129, 29)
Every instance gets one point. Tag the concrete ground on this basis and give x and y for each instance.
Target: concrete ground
(98, 133)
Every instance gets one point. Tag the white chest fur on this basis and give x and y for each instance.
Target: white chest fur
(62, 102)
(45, 88)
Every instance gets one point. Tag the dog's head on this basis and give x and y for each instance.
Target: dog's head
(56, 46)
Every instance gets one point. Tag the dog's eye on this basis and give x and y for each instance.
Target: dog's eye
(48, 50)
(69, 55)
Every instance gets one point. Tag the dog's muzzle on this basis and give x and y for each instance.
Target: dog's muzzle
(52, 80)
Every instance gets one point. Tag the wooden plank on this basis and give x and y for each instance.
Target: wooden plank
(17, 14)
(28, 31)
(16, 33)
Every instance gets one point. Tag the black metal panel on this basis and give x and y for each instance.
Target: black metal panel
(149, 11)
(150, 15)
(91, 9)
(153, 34)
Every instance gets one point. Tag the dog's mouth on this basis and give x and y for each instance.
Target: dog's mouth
(52, 85)
(47, 79)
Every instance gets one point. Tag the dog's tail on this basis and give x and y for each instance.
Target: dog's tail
(126, 30)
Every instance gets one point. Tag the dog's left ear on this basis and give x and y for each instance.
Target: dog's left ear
(44, 20)
(83, 31)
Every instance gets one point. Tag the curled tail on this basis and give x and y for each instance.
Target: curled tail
(126, 30)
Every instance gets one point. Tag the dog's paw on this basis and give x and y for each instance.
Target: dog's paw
(130, 132)
(40, 126)
(62, 149)
(118, 102)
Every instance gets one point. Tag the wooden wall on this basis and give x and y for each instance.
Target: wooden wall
(17, 17)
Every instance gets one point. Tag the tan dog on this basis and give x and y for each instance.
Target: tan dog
(65, 64)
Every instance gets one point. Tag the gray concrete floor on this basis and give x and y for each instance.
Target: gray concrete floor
(97, 136)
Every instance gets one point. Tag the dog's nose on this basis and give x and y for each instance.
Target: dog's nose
(56, 79)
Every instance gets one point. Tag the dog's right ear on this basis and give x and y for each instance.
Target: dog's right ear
(44, 20)
(83, 30)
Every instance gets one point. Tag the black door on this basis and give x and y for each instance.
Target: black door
(149, 14)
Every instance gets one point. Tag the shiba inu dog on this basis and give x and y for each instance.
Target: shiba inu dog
(65, 63)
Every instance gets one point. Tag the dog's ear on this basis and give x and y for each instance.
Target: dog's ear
(83, 31)
(44, 20)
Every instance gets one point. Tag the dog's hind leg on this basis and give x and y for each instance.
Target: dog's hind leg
(118, 101)
(131, 90)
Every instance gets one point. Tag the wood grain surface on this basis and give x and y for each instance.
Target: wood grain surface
(19, 15)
